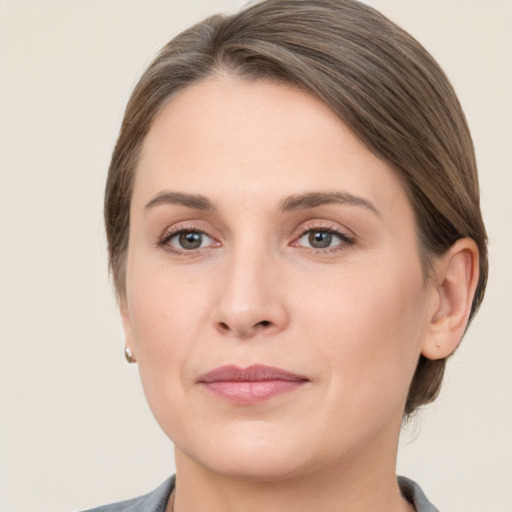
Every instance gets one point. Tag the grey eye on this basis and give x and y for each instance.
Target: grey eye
(190, 240)
(320, 239)
(187, 240)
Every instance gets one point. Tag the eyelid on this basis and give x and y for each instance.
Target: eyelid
(184, 227)
(347, 237)
(322, 225)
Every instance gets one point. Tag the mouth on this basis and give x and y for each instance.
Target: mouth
(252, 385)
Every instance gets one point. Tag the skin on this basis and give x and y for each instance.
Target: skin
(352, 317)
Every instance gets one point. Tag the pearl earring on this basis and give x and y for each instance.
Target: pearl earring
(128, 354)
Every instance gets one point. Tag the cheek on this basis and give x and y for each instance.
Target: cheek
(368, 328)
(164, 323)
(161, 300)
(165, 333)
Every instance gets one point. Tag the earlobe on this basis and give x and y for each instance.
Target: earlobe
(456, 275)
(125, 317)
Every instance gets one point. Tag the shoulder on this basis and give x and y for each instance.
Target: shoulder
(412, 492)
(155, 501)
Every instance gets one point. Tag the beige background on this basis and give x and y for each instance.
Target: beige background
(74, 427)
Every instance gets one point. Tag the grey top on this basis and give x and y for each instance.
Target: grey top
(156, 500)
(412, 492)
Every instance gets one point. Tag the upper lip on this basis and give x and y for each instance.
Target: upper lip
(253, 373)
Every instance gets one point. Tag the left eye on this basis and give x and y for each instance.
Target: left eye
(320, 239)
(189, 240)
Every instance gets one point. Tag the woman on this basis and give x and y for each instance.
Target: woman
(295, 237)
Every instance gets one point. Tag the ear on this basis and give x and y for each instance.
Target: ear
(127, 327)
(456, 278)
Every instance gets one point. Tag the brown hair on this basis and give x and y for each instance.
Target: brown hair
(378, 79)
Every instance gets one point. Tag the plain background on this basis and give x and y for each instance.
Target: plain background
(74, 427)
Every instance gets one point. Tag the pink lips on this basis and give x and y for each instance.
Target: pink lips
(252, 385)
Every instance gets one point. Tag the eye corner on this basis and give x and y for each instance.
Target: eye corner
(319, 238)
(186, 240)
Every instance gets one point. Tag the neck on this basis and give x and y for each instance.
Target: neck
(364, 483)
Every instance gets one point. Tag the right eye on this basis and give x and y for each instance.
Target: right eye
(188, 240)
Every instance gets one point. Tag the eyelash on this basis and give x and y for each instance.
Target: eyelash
(164, 241)
(346, 240)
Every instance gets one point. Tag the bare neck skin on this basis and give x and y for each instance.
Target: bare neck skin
(363, 482)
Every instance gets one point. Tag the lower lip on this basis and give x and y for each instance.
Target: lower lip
(252, 392)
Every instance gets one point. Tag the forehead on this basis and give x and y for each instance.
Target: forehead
(227, 136)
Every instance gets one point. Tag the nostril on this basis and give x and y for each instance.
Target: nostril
(244, 330)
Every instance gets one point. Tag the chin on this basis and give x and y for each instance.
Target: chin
(254, 466)
(252, 454)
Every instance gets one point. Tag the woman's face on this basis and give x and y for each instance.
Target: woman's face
(275, 300)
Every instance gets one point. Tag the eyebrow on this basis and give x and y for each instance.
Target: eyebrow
(292, 203)
(315, 199)
(195, 201)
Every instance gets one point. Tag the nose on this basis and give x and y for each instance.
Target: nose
(252, 297)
